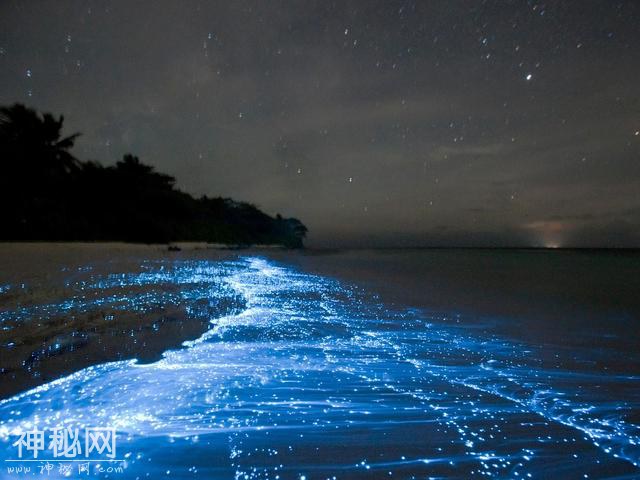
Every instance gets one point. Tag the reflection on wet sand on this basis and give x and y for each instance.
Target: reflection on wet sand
(313, 378)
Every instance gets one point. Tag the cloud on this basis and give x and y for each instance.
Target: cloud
(365, 120)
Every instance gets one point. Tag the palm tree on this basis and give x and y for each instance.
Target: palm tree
(47, 194)
(31, 141)
(37, 173)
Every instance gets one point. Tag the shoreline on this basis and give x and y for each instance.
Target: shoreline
(56, 322)
(195, 245)
(186, 245)
(474, 286)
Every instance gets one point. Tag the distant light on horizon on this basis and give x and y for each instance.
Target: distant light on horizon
(429, 113)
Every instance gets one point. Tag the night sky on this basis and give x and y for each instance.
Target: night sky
(376, 123)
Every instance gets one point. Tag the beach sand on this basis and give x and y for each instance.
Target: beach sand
(441, 363)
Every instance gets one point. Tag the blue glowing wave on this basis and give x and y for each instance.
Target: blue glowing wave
(314, 379)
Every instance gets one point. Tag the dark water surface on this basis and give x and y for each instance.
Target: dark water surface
(561, 297)
(413, 364)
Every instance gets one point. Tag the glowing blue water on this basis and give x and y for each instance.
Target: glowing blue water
(315, 379)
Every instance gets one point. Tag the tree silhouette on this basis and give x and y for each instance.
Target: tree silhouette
(51, 195)
(133, 171)
(29, 140)
(37, 170)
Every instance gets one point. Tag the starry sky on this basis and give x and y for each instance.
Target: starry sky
(377, 123)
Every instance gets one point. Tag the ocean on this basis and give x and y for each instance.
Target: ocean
(320, 364)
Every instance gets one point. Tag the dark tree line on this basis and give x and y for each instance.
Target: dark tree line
(48, 194)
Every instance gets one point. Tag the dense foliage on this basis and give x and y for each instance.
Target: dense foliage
(48, 194)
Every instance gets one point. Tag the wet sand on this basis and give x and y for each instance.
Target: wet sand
(55, 322)
(557, 298)
(441, 363)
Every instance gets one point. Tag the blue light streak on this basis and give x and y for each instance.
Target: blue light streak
(306, 376)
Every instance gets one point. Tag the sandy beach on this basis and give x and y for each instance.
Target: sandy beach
(416, 362)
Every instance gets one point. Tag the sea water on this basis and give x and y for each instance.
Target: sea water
(309, 377)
